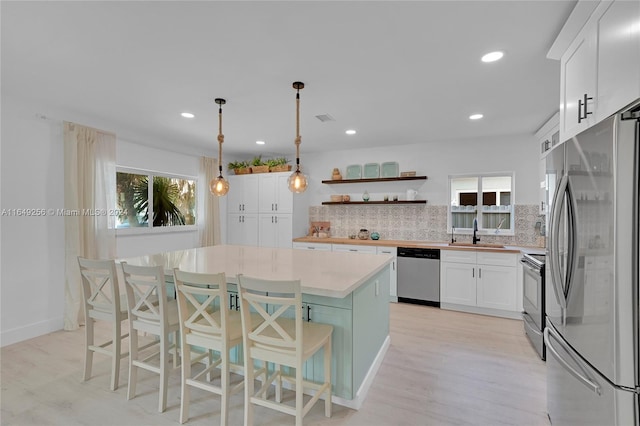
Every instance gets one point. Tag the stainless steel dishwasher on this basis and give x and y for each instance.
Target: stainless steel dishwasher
(419, 276)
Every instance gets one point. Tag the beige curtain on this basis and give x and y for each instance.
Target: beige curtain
(89, 198)
(209, 217)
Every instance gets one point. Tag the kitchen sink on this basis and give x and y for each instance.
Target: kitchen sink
(484, 245)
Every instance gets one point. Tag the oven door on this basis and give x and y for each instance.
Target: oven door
(532, 298)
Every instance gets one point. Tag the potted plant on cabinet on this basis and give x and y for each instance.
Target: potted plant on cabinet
(279, 165)
(239, 167)
(259, 166)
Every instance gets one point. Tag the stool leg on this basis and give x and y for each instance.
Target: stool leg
(133, 356)
(164, 376)
(88, 354)
(115, 360)
(224, 387)
(248, 391)
(186, 391)
(299, 396)
(327, 376)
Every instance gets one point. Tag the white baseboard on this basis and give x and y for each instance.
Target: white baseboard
(482, 311)
(19, 334)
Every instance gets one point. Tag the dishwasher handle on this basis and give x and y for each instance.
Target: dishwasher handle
(420, 253)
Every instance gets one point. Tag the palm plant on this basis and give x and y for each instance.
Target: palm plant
(165, 196)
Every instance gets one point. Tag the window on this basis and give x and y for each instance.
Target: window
(170, 201)
(487, 198)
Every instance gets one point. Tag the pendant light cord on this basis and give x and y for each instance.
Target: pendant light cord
(220, 140)
(298, 138)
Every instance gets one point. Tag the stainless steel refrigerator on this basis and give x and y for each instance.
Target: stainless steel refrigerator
(592, 258)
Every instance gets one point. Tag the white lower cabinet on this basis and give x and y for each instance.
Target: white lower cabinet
(393, 277)
(457, 282)
(480, 282)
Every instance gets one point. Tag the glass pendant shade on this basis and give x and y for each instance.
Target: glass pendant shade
(219, 186)
(297, 182)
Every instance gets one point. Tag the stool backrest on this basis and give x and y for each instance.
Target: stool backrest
(146, 293)
(281, 297)
(201, 302)
(100, 285)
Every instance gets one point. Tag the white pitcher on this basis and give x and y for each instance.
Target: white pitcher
(411, 194)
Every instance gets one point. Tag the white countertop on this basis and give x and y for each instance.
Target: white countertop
(322, 273)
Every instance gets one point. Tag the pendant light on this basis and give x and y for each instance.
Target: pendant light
(219, 186)
(297, 181)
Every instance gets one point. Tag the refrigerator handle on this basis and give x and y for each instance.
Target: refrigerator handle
(582, 378)
(572, 210)
(556, 278)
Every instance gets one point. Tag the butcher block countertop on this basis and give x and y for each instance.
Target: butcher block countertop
(423, 244)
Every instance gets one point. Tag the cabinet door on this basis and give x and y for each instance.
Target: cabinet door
(284, 233)
(243, 194)
(236, 195)
(618, 57)
(341, 348)
(578, 77)
(393, 277)
(284, 197)
(275, 230)
(458, 283)
(251, 190)
(275, 196)
(268, 193)
(242, 229)
(496, 287)
(268, 231)
(235, 229)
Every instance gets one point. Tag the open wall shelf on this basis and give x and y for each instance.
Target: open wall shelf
(331, 203)
(389, 179)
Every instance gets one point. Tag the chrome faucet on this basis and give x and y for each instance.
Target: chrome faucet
(475, 230)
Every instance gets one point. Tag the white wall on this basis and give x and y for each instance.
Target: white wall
(32, 168)
(518, 154)
(32, 266)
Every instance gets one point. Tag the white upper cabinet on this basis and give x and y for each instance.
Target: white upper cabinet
(618, 57)
(578, 83)
(600, 70)
(275, 196)
(243, 194)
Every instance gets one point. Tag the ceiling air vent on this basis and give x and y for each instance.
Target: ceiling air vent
(325, 117)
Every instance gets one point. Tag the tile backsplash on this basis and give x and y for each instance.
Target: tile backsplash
(420, 223)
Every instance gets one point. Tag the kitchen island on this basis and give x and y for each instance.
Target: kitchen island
(348, 291)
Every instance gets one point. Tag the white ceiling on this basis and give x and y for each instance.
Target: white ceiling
(397, 72)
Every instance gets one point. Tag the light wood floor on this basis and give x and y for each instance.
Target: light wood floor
(442, 368)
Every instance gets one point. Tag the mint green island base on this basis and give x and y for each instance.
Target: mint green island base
(346, 290)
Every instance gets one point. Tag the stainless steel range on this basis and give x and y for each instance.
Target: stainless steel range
(533, 295)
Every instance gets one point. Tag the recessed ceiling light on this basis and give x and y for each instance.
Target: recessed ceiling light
(475, 116)
(492, 56)
(187, 115)
(260, 142)
(350, 132)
